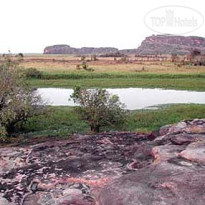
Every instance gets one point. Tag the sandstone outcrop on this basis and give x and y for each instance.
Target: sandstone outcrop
(152, 45)
(170, 44)
(161, 168)
(66, 49)
(176, 176)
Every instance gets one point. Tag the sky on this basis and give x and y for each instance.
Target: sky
(28, 26)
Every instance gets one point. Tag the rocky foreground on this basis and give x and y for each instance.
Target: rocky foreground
(164, 168)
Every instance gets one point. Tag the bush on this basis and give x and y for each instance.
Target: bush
(3, 133)
(17, 100)
(82, 58)
(20, 57)
(99, 108)
(93, 58)
(84, 66)
(33, 73)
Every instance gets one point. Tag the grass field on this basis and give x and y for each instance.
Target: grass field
(55, 64)
(60, 71)
(194, 83)
(63, 121)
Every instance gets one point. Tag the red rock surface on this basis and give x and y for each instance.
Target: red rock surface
(108, 169)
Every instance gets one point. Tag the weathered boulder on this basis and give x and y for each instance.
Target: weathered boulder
(176, 176)
(195, 152)
(68, 171)
(165, 183)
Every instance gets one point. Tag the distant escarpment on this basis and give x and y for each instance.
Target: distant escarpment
(152, 45)
(104, 51)
(66, 49)
(169, 44)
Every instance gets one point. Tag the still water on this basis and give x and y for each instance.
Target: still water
(133, 98)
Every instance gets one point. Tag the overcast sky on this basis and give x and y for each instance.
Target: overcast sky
(30, 25)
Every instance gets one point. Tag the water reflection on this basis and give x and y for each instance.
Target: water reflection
(133, 98)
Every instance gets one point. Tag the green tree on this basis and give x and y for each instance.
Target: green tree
(99, 108)
(17, 100)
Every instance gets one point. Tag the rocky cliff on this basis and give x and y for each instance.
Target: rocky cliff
(65, 49)
(152, 45)
(162, 168)
(168, 44)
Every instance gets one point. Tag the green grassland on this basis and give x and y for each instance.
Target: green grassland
(167, 81)
(63, 121)
(61, 71)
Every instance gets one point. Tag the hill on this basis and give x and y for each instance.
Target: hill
(152, 45)
(66, 49)
(168, 44)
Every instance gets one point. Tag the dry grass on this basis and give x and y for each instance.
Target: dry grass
(67, 63)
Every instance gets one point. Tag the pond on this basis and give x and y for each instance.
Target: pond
(133, 98)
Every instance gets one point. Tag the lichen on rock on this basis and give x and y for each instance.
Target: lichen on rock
(121, 168)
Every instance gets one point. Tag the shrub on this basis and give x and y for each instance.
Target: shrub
(78, 67)
(20, 57)
(82, 58)
(3, 133)
(17, 100)
(99, 108)
(124, 60)
(33, 73)
(93, 58)
(84, 66)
